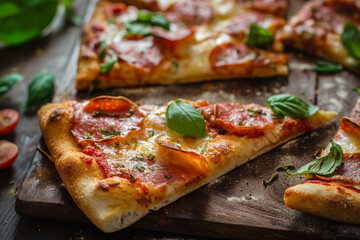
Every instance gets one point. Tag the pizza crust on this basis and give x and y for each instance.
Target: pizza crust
(332, 201)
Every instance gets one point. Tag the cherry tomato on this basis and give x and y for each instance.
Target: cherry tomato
(8, 153)
(8, 120)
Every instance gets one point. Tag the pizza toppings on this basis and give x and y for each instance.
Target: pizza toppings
(173, 36)
(185, 119)
(351, 39)
(142, 53)
(241, 25)
(276, 7)
(290, 105)
(325, 165)
(225, 56)
(190, 12)
(105, 118)
(259, 37)
(145, 20)
(232, 118)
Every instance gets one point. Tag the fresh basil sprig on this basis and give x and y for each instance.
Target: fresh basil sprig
(41, 89)
(351, 39)
(326, 67)
(107, 66)
(324, 165)
(258, 37)
(185, 119)
(8, 81)
(145, 20)
(20, 20)
(290, 105)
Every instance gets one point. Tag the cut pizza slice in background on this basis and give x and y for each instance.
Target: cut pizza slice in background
(329, 29)
(331, 189)
(119, 160)
(167, 42)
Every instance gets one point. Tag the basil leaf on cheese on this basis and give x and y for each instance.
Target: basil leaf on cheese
(325, 165)
(8, 81)
(41, 89)
(290, 105)
(145, 20)
(133, 28)
(326, 67)
(351, 39)
(183, 118)
(107, 66)
(258, 37)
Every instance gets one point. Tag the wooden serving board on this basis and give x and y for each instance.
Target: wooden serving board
(236, 205)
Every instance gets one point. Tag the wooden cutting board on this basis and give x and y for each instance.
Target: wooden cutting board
(236, 205)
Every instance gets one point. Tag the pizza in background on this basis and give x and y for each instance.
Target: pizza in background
(165, 42)
(328, 29)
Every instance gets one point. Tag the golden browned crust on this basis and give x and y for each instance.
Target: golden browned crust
(328, 200)
(114, 203)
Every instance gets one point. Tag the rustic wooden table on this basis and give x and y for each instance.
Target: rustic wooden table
(57, 52)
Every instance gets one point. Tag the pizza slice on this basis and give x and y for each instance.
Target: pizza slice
(119, 160)
(183, 41)
(328, 29)
(332, 186)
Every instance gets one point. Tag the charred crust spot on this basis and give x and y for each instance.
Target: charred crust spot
(113, 184)
(103, 186)
(55, 116)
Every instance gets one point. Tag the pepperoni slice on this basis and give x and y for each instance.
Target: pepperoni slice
(114, 9)
(173, 37)
(276, 7)
(224, 57)
(355, 114)
(190, 12)
(143, 53)
(348, 171)
(239, 26)
(240, 120)
(105, 118)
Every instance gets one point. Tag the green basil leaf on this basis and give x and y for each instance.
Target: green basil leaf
(290, 105)
(185, 119)
(351, 39)
(326, 67)
(145, 20)
(8, 81)
(41, 89)
(258, 37)
(133, 28)
(102, 46)
(21, 20)
(107, 66)
(325, 165)
(93, 85)
(158, 20)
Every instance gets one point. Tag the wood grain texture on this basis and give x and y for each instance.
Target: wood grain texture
(236, 205)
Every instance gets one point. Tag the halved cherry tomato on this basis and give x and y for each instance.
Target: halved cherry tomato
(8, 153)
(8, 120)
